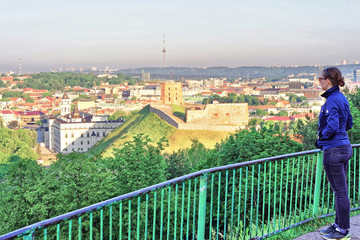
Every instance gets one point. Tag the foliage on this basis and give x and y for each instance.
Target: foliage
(16, 143)
(81, 97)
(246, 145)
(58, 81)
(178, 111)
(119, 115)
(18, 202)
(354, 101)
(11, 94)
(283, 113)
(295, 98)
(47, 94)
(138, 163)
(261, 112)
(253, 122)
(233, 98)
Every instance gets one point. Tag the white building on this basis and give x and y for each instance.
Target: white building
(74, 131)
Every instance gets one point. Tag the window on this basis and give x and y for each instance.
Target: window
(72, 143)
(66, 135)
(97, 134)
(82, 135)
(103, 134)
(169, 89)
(88, 142)
(169, 99)
(81, 142)
(88, 135)
(228, 114)
(72, 135)
(72, 149)
(66, 144)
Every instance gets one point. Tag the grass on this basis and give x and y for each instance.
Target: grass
(182, 139)
(179, 111)
(156, 128)
(142, 122)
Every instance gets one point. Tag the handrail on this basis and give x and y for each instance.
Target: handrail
(79, 212)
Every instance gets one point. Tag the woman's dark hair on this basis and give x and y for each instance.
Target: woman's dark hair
(334, 75)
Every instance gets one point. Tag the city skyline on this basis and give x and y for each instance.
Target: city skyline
(204, 33)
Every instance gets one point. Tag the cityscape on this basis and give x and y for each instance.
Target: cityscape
(176, 120)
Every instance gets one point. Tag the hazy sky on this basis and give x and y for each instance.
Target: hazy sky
(49, 34)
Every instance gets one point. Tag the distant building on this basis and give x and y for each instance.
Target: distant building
(171, 93)
(85, 104)
(65, 105)
(31, 117)
(75, 131)
(357, 76)
(145, 76)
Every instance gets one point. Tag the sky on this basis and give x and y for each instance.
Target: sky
(129, 34)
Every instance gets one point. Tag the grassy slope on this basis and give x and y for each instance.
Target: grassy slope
(150, 124)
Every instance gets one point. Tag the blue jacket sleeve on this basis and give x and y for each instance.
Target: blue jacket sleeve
(349, 122)
(332, 125)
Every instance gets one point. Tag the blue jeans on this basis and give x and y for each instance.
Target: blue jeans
(336, 164)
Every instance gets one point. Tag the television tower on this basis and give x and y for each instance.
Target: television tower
(19, 70)
(164, 51)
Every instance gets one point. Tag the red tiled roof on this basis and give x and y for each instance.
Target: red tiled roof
(7, 112)
(32, 113)
(7, 78)
(278, 118)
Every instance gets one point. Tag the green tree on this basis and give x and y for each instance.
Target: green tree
(47, 94)
(283, 113)
(261, 112)
(138, 163)
(253, 122)
(246, 145)
(118, 115)
(17, 195)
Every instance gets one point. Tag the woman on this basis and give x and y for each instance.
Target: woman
(334, 120)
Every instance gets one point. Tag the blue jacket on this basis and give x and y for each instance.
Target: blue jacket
(334, 120)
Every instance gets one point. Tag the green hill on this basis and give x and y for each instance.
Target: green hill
(152, 125)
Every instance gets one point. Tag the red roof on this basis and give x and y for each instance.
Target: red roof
(7, 112)
(32, 113)
(7, 78)
(278, 118)
(310, 115)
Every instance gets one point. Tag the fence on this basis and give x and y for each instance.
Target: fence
(249, 200)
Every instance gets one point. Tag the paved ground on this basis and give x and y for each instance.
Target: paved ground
(354, 231)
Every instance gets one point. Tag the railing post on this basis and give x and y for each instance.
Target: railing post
(202, 207)
(319, 167)
(29, 236)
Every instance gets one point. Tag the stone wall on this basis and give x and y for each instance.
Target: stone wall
(177, 123)
(164, 116)
(234, 114)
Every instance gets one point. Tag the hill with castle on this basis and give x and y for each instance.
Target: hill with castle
(149, 123)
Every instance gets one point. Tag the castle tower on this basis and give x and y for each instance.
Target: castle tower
(171, 93)
(65, 104)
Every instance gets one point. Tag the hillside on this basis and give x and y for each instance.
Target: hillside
(156, 128)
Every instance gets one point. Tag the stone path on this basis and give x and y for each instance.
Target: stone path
(354, 231)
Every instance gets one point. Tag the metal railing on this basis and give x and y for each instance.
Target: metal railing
(249, 200)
